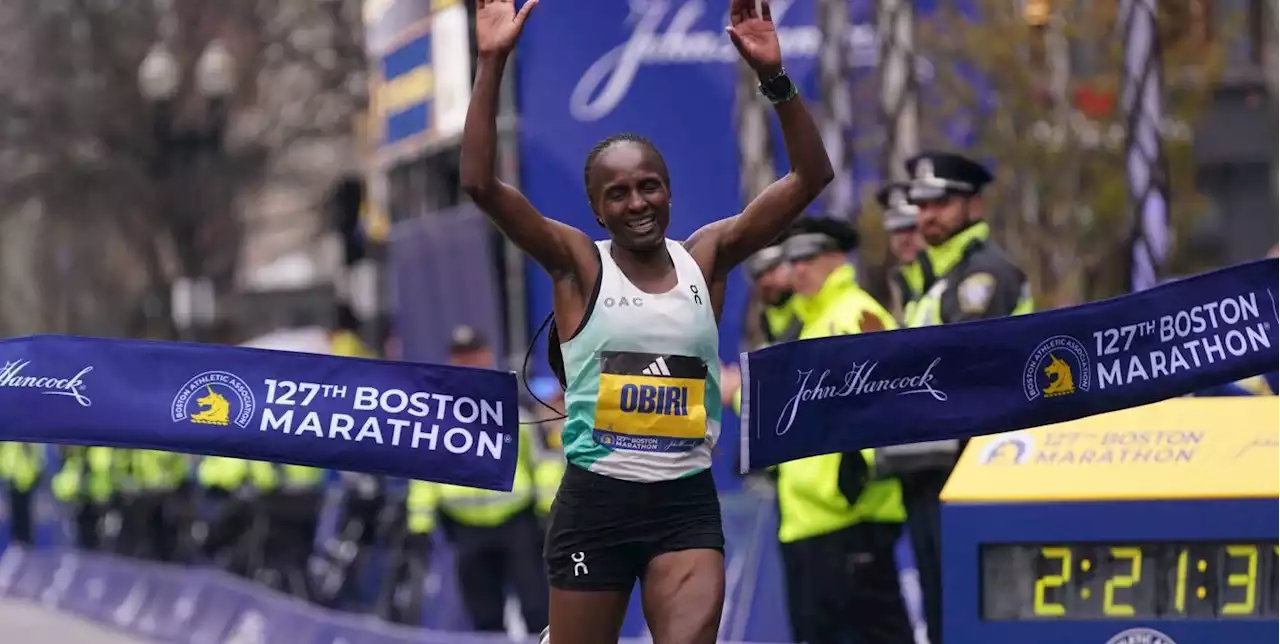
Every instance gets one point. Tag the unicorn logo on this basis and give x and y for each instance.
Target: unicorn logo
(214, 398)
(214, 409)
(1059, 366)
(1061, 381)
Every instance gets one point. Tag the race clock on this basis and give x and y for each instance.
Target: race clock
(1156, 524)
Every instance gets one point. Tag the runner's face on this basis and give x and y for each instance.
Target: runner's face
(630, 195)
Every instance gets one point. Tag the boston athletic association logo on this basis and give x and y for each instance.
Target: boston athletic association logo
(1140, 636)
(1015, 448)
(1058, 367)
(214, 398)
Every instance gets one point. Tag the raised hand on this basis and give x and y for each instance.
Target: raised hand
(753, 33)
(498, 25)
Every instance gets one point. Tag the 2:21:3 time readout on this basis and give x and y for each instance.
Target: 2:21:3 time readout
(1089, 581)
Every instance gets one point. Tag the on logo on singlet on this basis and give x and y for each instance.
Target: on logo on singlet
(651, 402)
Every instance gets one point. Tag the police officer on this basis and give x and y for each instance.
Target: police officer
(84, 484)
(21, 468)
(290, 503)
(965, 277)
(906, 281)
(228, 497)
(497, 535)
(400, 599)
(770, 276)
(838, 520)
(149, 491)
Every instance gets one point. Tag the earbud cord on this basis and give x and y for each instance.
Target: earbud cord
(528, 353)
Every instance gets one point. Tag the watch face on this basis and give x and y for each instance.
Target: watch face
(776, 87)
(781, 85)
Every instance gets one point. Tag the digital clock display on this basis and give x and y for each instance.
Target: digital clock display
(1092, 581)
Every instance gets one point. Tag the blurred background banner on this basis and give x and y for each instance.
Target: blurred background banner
(421, 73)
(443, 267)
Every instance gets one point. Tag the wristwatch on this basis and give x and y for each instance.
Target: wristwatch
(778, 88)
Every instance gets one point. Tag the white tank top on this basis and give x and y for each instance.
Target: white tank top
(643, 395)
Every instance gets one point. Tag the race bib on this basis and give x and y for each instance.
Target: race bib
(651, 402)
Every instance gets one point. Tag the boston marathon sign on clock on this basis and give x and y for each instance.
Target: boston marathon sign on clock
(1151, 525)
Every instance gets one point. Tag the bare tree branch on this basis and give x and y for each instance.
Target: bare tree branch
(78, 138)
(1059, 203)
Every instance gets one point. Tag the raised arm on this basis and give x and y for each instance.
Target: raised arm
(772, 211)
(549, 242)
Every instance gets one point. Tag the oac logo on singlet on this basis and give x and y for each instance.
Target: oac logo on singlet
(650, 402)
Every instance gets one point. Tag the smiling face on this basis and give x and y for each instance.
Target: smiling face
(629, 190)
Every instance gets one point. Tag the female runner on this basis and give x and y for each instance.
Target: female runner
(641, 366)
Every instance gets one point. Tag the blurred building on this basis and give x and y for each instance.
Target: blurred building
(291, 268)
(147, 207)
(1235, 144)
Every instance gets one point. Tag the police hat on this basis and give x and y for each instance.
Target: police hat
(895, 203)
(816, 235)
(764, 260)
(937, 174)
(466, 339)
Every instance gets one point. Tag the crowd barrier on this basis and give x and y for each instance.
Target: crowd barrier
(180, 605)
(27, 622)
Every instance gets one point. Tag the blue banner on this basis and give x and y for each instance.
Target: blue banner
(664, 69)
(850, 392)
(590, 69)
(435, 423)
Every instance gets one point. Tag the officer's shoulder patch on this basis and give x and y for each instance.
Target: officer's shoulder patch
(869, 322)
(974, 292)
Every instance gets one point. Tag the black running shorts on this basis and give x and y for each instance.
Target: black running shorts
(603, 531)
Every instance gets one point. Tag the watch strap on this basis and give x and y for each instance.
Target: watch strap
(779, 88)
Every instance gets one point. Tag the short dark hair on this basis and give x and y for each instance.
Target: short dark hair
(621, 137)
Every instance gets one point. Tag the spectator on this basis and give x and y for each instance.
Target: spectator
(497, 535)
(838, 521)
